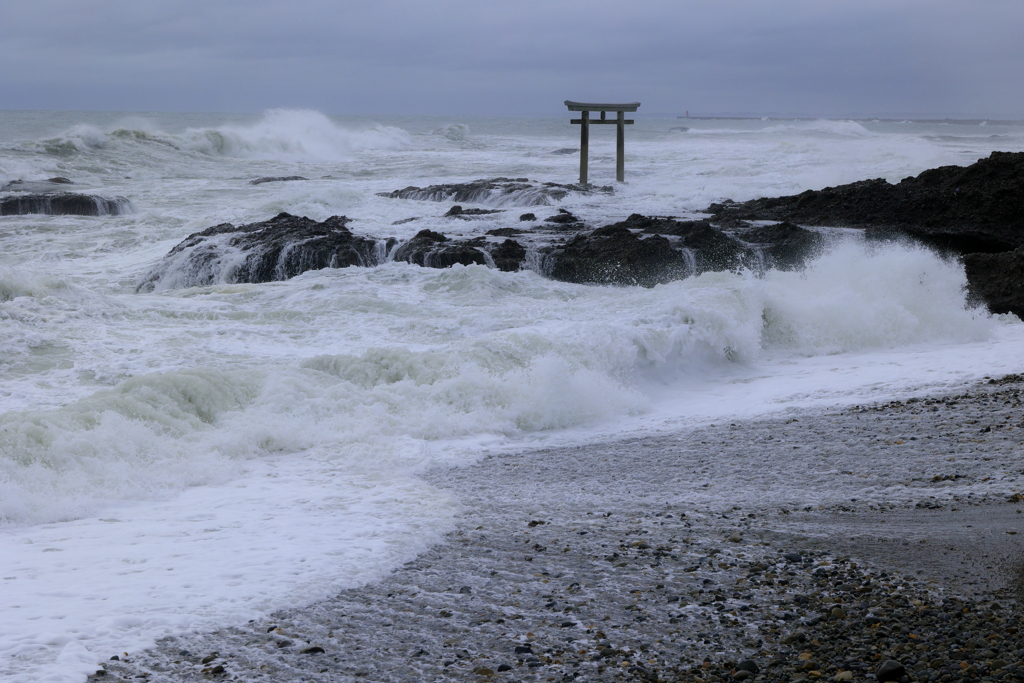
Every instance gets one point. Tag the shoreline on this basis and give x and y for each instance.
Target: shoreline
(676, 557)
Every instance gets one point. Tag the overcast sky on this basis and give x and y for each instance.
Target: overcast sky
(378, 57)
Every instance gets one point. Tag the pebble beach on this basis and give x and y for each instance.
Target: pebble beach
(614, 562)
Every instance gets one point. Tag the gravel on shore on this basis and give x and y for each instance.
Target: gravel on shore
(865, 543)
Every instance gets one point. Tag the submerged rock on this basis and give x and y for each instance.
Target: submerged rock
(277, 249)
(497, 191)
(63, 204)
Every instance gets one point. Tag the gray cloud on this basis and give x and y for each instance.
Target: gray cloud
(456, 56)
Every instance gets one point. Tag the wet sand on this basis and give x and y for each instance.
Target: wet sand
(676, 557)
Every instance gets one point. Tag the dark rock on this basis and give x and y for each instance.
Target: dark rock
(63, 204)
(793, 557)
(890, 671)
(997, 280)
(785, 245)
(504, 667)
(527, 217)
(508, 256)
(504, 232)
(217, 670)
(209, 658)
(741, 675)
(277, 249)
(748, 665)
(276, 179)
(458, 212)
(565, 151)
(977, 208)
(563, 217)
(60, 180)
(523, 650)
(465, 590)
(504, 191)
(433, 250)
(406, 220)
(615, 255)
(315, 650)
(710, 248)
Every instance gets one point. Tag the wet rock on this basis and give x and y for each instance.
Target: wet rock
(890, 670)
(315, 650)
(710, 247)
(997, 280)
(458, 212)
(433, 250)
(508, 256)
(563, 217)
(504, 667)
(977, 208)
(616, 255)
(527, 217)
(209, 658)
(465, 590)
(500, 191)
(748, 665)
(63, 204)
(276, 179)
(786, 246)
(504, 232)
(60, 180)
(793, 557)
(277, 249)
(523, 649)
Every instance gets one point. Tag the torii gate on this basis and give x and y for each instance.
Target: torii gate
(620, 141)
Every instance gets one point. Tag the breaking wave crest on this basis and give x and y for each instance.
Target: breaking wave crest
(285, 135)
(561, 356)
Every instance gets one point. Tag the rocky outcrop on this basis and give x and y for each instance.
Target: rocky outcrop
(433, 250)
(977, 208)
(277, 249)
(638, 251)
(497, 192)
(615, 255)
(784, 245)
(63, 204)
(459, 212)
(974, 212)
(998, 280)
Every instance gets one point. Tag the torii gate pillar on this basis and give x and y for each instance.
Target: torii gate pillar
(620, 140)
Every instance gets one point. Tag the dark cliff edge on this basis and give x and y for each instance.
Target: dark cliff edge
(970, 212)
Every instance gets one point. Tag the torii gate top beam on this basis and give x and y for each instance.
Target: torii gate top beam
(586, 106)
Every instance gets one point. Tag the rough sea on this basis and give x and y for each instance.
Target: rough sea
(198, 456)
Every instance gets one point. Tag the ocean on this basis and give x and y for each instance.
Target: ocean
(194, 456)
